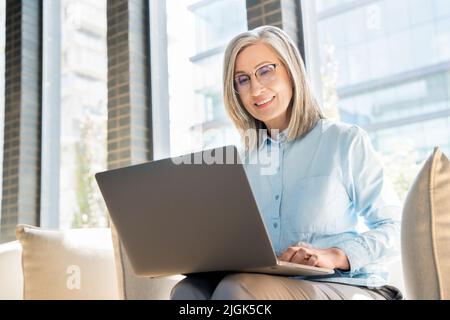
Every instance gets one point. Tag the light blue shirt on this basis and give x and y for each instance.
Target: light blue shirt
(316, 189)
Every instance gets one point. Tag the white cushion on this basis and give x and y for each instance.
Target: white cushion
(11, 278)
(70, 264)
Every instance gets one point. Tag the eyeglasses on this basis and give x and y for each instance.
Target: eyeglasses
(265, 75)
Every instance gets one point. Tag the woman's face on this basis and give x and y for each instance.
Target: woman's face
(267, 101)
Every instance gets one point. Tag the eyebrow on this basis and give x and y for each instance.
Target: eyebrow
(255, 68)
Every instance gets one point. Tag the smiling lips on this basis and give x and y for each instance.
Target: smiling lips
(264, 103)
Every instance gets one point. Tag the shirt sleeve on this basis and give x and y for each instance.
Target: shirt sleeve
(373, 199)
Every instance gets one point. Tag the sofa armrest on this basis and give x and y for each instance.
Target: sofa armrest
(11, 276)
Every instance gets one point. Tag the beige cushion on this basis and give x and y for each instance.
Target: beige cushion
(426, 231)
(11, 278)
(132, 287)
(70, 264)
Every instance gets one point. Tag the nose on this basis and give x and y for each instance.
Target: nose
(255, 87)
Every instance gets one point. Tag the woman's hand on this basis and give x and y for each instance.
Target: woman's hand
(332, 258)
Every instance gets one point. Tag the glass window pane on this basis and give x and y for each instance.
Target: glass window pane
(83, 112)
(442, 39)
(400, 52)
(323, 5)
(396, 82)
(355, 23)
(378, 58)
(420, 11)
(441, 8)
(195, 52)
(396, 15)
(357, 56)
(213, 24)
(423, 44)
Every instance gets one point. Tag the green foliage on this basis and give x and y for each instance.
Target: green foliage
(91, 210)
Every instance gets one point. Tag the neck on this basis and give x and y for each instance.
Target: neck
(278, 124)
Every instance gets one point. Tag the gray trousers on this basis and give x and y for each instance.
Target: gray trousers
(252, 286)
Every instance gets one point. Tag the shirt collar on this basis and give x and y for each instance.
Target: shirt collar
(281, 138)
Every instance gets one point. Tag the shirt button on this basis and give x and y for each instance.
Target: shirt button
(275, 225)
(277, 197)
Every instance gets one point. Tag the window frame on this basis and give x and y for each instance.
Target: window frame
(159, 80)
(51, 114)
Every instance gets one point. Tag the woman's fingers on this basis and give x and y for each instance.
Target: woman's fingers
(301, 256)
(312, 257)
(288, 254)
(313, 260)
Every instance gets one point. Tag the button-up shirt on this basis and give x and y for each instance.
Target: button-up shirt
(314, 190)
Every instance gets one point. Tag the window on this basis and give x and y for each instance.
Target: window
(389, 64)
(83, 112)
(198, 32)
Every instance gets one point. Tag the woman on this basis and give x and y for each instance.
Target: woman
(326, 176)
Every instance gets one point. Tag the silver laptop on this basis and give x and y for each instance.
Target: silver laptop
(186, 215)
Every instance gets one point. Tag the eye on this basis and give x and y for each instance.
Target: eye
(242, 79)
(264, 70)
